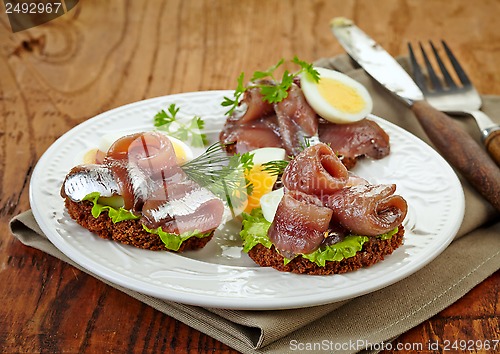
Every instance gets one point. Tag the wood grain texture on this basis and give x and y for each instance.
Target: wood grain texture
(492, 144)
(461, 151)
(104, 54)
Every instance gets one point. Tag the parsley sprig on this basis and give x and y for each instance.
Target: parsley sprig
(274, 91)
(188, 131)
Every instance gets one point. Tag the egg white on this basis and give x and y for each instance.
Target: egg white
(267, 154)
(269, 203)
(325, 108)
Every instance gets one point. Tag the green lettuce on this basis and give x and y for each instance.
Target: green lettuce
(172, 241)
(255, 228)
(115, 214)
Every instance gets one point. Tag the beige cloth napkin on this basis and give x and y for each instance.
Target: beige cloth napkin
(348, 326)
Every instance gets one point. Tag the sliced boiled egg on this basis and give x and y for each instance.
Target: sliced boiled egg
(262, 181)
(269, 203)
(182, 151)
(336, 97)
(91, 156)
(267, 154)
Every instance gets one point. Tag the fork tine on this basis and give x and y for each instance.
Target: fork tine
(456, 65)
(432, 74)
(418, 75)
(446, 75)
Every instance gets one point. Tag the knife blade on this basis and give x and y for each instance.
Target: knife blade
(454, 143)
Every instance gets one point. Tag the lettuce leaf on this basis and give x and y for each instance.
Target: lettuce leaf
(255, 228)
(116, 215)
(172, 241)
(338, 251)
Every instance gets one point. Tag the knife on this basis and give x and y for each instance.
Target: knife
(454, 143)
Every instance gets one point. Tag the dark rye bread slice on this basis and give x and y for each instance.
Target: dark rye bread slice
(373, 251)
(129, 232)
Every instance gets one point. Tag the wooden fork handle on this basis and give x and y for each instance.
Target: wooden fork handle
(492, 144)
(461, 151)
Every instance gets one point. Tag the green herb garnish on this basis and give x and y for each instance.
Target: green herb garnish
(214, 166)
(272, 92)
(187, 131)
(233, 103)
(275, 168)
(223, 175)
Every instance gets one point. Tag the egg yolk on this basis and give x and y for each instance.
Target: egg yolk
(339, 95)
(180, 154)
(262, 183)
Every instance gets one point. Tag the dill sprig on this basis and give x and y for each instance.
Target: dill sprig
(189, 131)
(271, 92)
(222, 174)
(275, 168)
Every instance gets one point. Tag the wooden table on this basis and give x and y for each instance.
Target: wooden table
(103, 54)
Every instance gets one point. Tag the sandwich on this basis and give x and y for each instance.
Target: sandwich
(325, 220)
(139, 195)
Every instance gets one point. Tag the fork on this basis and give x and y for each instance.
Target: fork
(445, 95)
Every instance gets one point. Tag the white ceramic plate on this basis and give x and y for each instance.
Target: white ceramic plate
(221, 275)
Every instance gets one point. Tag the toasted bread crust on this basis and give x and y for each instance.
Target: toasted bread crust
(129, 232)
(373, 251)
